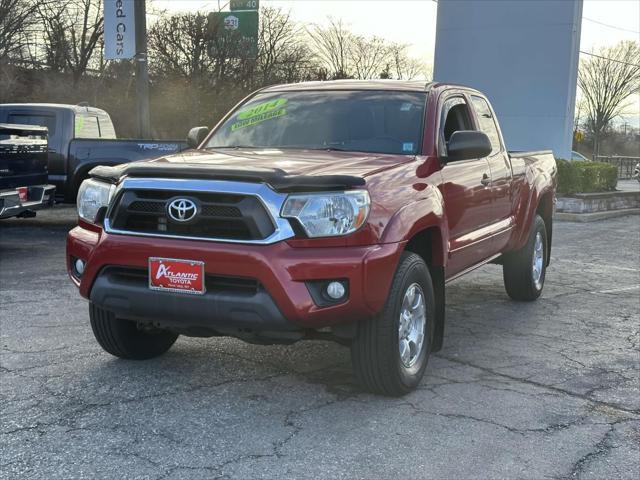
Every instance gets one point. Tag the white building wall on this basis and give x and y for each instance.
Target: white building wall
(523, 54)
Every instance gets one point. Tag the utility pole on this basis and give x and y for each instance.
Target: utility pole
(142, 69)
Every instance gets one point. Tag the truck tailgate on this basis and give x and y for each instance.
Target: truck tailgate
(23, 156)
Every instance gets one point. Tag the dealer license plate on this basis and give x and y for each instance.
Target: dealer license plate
(169, 274)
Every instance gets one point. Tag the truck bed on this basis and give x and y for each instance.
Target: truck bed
(85, 154)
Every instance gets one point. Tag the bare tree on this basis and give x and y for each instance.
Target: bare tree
(200, 68)
(283, 52)
(402, 66)
(178, 44)
(607, 80)
(346, 55)
(57, 48)
(332, 45)
(16, 19)
(277, 34)
(368, 56)
(72, 30)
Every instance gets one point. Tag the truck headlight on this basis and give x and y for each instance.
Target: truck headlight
(92, 196)
(328, 214)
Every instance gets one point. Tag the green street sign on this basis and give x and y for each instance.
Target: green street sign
(235, 31)
(236, 5)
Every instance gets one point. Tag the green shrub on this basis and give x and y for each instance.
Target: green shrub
(586, 177)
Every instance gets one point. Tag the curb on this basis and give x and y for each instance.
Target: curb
(594, 217)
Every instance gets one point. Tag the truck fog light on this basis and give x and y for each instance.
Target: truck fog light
(335, 290)
(79, 266)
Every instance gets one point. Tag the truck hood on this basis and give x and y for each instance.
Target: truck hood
(282, 169)
(293, 162)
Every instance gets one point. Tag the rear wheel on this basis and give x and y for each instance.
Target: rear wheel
(524, 271)
(390, 351)
(123, 339)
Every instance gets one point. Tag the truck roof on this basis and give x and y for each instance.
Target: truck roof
(54, 106)
(400, 85)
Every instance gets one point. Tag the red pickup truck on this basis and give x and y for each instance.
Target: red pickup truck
(329, 210)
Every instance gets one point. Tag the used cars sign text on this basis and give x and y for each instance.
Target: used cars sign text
(119, 29)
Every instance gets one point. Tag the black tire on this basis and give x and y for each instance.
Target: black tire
(375, 351)
(518, 266)
(123, 339)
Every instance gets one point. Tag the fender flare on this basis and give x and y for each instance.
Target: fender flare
(542, 187)
(410, 220)
(413, 218)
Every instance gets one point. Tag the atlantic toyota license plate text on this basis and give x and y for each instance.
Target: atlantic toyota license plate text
(169, 274)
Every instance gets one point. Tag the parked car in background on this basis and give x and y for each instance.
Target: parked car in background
(578, 157)
(23, 170)
(327, 210)
(80, 138)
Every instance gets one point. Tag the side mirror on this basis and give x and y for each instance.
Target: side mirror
(196, 136)
(467, 144)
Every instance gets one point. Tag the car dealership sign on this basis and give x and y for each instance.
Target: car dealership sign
(119, 29)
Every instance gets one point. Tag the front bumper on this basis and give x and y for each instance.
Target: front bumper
(39, 196)
(126, 293)
(282, 301)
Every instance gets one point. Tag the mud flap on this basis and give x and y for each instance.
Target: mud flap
(437, 277)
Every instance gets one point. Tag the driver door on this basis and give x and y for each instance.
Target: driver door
(466, 188)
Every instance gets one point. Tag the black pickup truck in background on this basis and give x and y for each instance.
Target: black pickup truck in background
(80, 138)
(23, 170)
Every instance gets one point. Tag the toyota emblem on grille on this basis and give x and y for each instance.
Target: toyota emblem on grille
(182, 210)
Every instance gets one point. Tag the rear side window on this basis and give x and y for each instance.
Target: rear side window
(48, 121)
(487, 122)
(106, 126)
(87, 126)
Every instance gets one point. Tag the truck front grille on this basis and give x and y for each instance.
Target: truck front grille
(221, 216)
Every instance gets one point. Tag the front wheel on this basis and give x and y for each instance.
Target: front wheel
(390, 351)
(124, 339)
(524, 271)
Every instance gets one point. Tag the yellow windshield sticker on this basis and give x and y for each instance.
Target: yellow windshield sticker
(260, 113)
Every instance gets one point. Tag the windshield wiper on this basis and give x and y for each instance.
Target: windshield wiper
(329, 149)
(283, 147)
(235, 147)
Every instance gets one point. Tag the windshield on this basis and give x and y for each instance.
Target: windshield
(362, 121)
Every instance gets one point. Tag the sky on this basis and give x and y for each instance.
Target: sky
(413, 22)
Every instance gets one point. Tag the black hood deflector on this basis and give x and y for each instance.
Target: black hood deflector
(277, 178)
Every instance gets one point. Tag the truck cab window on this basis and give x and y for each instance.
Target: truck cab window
(48, 121)
(106, 127)
(455, 117)
(487, 122)
(87, 126)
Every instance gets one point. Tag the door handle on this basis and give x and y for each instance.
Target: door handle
(486, 181)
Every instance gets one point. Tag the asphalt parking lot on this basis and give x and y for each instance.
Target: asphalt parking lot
(542, 390)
